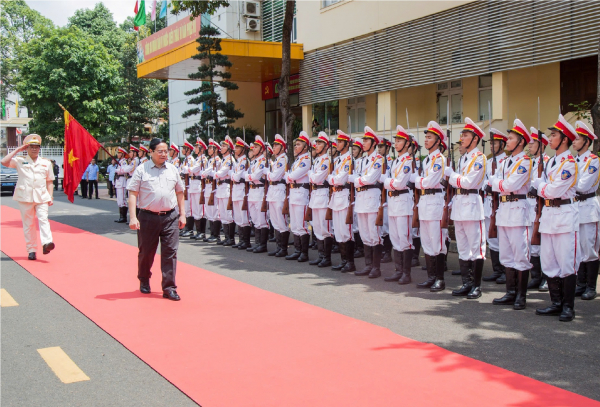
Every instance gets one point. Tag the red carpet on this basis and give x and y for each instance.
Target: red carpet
(231, 344)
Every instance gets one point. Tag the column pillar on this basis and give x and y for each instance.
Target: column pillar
(386, 113)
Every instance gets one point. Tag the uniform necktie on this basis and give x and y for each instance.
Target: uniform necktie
(427, 160)
(553, 162)
(577, 159)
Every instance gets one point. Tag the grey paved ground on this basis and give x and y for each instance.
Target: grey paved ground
(566, 355)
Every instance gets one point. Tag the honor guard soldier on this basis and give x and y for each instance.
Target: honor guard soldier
(297, 178)
(415, 152)
(538, 142)
(174, 155)
(560, 249)
(319, 200)
(121, 184)
(431, 207)
(211, 209)
(277, 195)
(359, 160)
(143, 154)
(368, 201)
(223, 177)
(589, 212)
(467, 213)
(340, 202)
(400, 207)
(184, 169)
(383, 149)
(240, 214)
(497, 144)
(195, 189)
(511, 180)
(256, 177)
(126, 169)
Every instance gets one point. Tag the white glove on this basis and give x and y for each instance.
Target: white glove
(536, 182)
(330, 179)
(382, 178)
(413, 177)
(352, 178)
(448, 171)
(356, 183)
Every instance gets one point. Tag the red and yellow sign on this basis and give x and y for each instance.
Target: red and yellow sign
(169, 38)
(270, 89)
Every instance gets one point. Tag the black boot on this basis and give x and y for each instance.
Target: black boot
(581, 279)
(399, 267)
(440, 267)
(122, 215)
(349, 267)
(387, 250)
(335, 248)
(544, 284)
(446, 256)
(416, 252)
(245, 241)
(210, 229)
(240, 237)
(327, 250)
(264, 239)
(521, 288)
(430, 264)
(215, 235)
(314, 241)
(511, 288)
(278, 241)
(272, 237)
(496, 267)
(297, 251)
(304, 241)
(226, 234)
(189, 227)
(407, 258)
(197, 223)
(284, 241)
(359, 245)
(555, 288)
(467, 279)
(320, 246)
(502, 278)
(568, 298)
(257, 233)
(536, 273)
(377, 256)
(368, 262)
(343, 256)
(477, 274)
(592, 278)
(231, 238)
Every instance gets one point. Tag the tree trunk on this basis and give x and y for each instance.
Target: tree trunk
(596, 108)
(284, 81)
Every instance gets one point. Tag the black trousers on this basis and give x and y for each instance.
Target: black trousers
(111, 189)
(91, 184)
(152, 229)
(83, 185)
(56, 183)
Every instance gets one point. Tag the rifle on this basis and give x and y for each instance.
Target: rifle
(186, 179)
(379, 220)
(493, 232)
(246, 184)
(230, 202)
(536, 237)
(350, 213)
(202, 181)
(449, 190)
(286, 201)
(211, 199)
(264, 206)
(308, 213)
(329, 212)
(416, 194)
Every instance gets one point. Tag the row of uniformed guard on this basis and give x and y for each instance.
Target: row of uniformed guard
(362, 196)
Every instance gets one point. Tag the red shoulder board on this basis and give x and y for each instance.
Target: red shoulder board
(569, 157)
(526, 157)
(546, 158)
(593, 156)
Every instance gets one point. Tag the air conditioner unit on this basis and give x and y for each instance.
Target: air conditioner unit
(252, 8)
(252, 24)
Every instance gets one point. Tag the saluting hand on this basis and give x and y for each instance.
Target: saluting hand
(134, 224)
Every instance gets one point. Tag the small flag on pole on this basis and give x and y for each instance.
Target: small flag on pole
(140, 17)
(163, 9)
(153, 17)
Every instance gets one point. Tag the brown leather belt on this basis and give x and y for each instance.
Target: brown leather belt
(305, 185)
(339, 188)
(223, 181)
(315, 186)
(511, 198)
(398, 193)
(431, 191)
(584, 197)
(366, 187)
(254, 186)
(463, 191)
(281, 181)
(555, 203)
(157, 213)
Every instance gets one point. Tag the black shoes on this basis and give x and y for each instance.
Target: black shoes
(284, 239)
(48, 247)
(304, 241)
(32, 256)
(430, 265)
(171, 295)
(122, 215)
(145, 287)
(297, 251)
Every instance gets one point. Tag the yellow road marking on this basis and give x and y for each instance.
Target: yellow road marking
(62, 365)
(6, 300)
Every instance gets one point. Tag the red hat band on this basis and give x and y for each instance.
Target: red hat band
(474, 130)
(565, 130)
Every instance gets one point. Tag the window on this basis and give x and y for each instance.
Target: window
(273, 118)
(327, 3)
(485, 97)
(357, 111)
(326, 117)
(449, 91)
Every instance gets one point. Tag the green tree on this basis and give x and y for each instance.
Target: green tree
(197, 8)
(99, 24)
(214, 76)
(71, 68)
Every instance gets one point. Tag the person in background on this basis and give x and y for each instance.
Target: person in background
(110, 176)
(56, 171)
(83, 184)
(92, 172)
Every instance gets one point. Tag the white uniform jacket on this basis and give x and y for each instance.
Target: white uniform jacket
(431, 207)
(471, 175)
(534, 174)
(256, 176)
(400, 172)
(487, 201)
(224, 173)
(587, 183)
(513, 177)
(339, 180)
(298, 174)
(212, 166)
(195, 172)
(558, 182)
(319, 197)
(276, 173)
(33, 176)
(237, 179)
(368, 194)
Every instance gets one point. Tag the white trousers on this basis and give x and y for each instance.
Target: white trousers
(211, 212)
(298, 225)
(321, 227)
(416, 233)
(278, 219)
(355, 222)
(369, 233)
(433, 237)
(259, 219)
(470, 239)
(342, 231)
(188, 208)
(121, 200)
(197, 210)
(385, 229)
(240, 216)
(560, 254)
(29, 212)
(225, 216)
(514, 247)
(588, 237)
(401, 232)
(491, 242)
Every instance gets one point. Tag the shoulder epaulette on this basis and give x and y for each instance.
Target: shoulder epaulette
(526, 157)
(593, 155)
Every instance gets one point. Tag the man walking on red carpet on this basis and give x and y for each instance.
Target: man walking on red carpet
(159, 189)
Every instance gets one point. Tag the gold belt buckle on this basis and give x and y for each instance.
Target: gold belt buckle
(547, 202)
(422, 192)
(503, 198)
(390, 193)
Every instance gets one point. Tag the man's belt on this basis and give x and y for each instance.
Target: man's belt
(531, 196)
(511, 198)
(281, 181)
(157, 213)
(254, 186)
(584, 197)
(117, 176)
(239, 182)
(463, 191)
(305, 185)
(555, 203)
(195, 177)
(223, 181)
(339, 188)
(398, 193)
(431, 191)
(315, 186)
(209, 179)
(366, 187)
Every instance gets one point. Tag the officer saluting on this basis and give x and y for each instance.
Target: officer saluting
(33, 192)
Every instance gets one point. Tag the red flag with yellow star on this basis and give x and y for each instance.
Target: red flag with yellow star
(80, 148)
